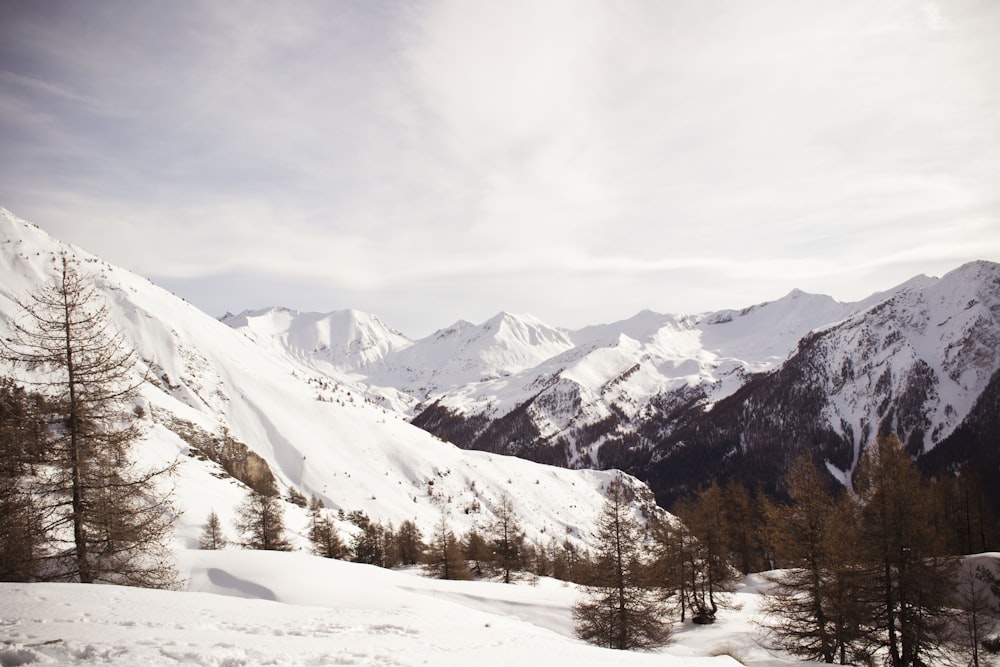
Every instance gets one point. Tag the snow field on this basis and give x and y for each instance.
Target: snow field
(258, 608)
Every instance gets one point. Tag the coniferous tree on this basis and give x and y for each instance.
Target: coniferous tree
(260, 520)
(212, 536)
(506, 539)
(323, 534)
(810, 602)
(619, 609)
(444, 557)
(373, 545)
(107, 521)
(476, 551)
(975, 613)
(711, 576)
(743, 525)
(21, 534)
(678, 567)
(22, 430)
(410, 544)
(901, 555)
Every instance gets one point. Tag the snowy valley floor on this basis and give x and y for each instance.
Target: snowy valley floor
(265, 608)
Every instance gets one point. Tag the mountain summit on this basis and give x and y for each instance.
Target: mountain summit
(681, 399)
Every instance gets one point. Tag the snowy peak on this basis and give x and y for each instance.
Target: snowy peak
(218, 397)
(349, 340)
(509, 343)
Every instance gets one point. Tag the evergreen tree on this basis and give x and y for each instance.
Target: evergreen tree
(619, 610)
(260, 520)
(212, 536)
(22, 536)
(115, 521)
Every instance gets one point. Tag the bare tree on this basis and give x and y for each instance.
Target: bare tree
(260, 520)
(21, 534)
(323, 534)
(443, 556)
(119, 523)
(506, 539)
(901, 556)
(212, 536)
(710, 576)
(815, 605)
(619, 609)
(975, 613)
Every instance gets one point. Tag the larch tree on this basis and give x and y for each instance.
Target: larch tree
(807, 612)
(212, 536)
(914, 583)
(410, 543)
(619, 609)
(260, 520)
(975, 618)
(506, 539)
(712, 576)
(106, 518)
(22, 536)
(476, 550)
(323, 534)
(443, 557)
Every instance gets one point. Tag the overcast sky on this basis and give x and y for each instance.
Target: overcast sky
(579, 160)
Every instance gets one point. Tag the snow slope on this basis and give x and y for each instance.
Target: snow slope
(585, 376)
(317, 435)
(254, 608)
(912, 360)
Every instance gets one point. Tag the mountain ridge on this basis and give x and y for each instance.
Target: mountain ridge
(618, 395)
(318, 434)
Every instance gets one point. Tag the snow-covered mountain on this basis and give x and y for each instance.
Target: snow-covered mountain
(922, 363)
(227, 405)
(632, 394)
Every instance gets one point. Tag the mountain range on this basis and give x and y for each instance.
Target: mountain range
(342, 405)
(680, 400)
(235, 413)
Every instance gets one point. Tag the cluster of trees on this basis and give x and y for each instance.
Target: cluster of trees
(498, 550)
(870, 575)
(857, 576)
(73, 504)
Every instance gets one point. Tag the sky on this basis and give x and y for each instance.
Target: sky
(436, 160)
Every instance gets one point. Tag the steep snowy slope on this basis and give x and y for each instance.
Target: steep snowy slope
(516, 385)
(215, 390)
(914, 364)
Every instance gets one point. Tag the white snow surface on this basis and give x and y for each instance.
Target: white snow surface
(569, 379)
(495, 366)
(318, 436)
(269, 608)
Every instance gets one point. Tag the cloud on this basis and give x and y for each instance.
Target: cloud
(557, 155)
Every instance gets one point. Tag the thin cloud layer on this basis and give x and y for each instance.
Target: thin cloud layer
(444, 159)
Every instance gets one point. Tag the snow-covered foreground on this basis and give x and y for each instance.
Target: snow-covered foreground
(265, 608)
